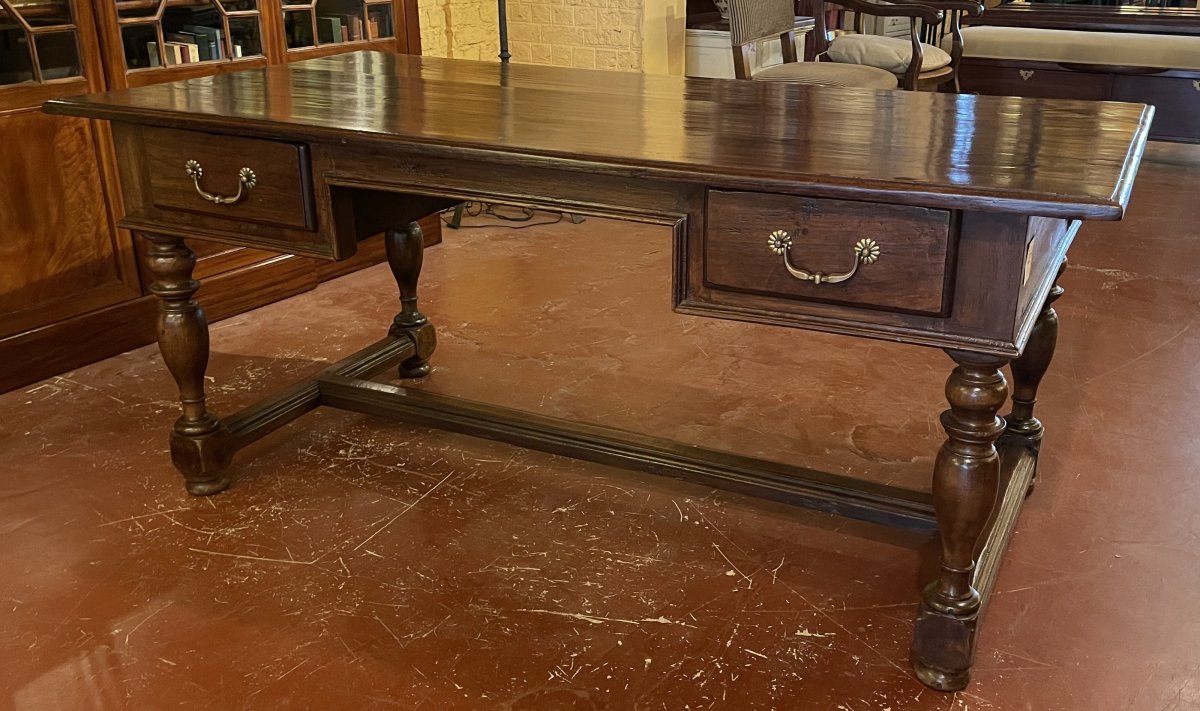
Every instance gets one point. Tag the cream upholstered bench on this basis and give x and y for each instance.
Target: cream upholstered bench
(1163, 70)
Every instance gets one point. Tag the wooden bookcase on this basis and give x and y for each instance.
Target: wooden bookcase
(71, 288)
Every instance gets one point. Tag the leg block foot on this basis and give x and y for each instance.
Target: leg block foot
(203, 459)
(424, 338)
(207, 488)
(966, 476)
(405, 250)
(942, 650)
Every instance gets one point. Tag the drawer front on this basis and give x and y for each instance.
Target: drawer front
(896, 255)
(1176, 101)
(203, 173)
(1005, 79)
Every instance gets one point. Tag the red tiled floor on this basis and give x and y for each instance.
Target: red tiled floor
(359, 563)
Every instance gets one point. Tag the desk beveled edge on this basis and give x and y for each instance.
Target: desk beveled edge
(879, 190)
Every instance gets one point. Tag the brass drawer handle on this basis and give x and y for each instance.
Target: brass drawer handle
(866, 251)
(246, 182)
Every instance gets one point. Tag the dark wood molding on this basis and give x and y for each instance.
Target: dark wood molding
(78, 341)
(1142, 20)
(831, 493)
(988, 244)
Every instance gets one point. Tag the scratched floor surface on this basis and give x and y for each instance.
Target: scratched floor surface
(359, 564)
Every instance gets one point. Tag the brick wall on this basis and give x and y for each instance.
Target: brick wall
(630, 35)
(459, 29)
(590, 34)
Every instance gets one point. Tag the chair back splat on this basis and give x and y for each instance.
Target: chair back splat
(751, 21)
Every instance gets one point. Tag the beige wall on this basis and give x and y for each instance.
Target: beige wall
(459, 29)
(631, 35)
(664, 36)
(591, 34)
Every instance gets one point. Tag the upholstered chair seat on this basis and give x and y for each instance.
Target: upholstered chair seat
(828, 74)
(887, 53)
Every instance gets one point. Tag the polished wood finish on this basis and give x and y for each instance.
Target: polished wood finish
(372, 251)
(1172, 92)
(64, 256)
(147, 178)
(199, 441)
(743, 54)
(989, 215)
(955, 13)
(1098, 18)
(945, 151)
(910, 275)
(405, 253)
(835, 17)
(280, 195)
(966, 478)
(1021, 426)
(832, 493)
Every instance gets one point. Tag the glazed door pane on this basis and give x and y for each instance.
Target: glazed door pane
(39, 42)
(319, 23)
(165, 33)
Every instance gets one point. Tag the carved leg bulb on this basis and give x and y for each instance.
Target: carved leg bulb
(965, 482)
(405, 253)
(1023, 428)
(199, 442)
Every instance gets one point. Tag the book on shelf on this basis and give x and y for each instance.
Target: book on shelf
(210, 40)
(195, 51)
(177, 53)
(329, 28)
(379, 22)
(352, 27)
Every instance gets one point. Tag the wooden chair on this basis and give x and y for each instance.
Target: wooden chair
(918, 62)
(752, 21)
(950, 28)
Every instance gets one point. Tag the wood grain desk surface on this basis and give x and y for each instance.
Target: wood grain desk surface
(1047, 157)
(959, 209)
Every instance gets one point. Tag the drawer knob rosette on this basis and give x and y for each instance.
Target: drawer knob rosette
(246, 182)
(866, 251)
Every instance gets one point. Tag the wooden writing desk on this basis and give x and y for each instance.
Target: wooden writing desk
(931, 219)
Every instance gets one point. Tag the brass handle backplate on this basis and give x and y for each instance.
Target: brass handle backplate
(246, 182)
(866, 251)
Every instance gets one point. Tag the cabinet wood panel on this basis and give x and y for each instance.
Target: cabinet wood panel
(72, 289)
(276, 192)
(61, 256)
(749, 234)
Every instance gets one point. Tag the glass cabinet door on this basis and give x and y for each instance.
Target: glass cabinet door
(319, 23)
(166, 33)
(39, 42)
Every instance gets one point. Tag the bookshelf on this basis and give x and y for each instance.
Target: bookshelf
(75, 291)
(322, 23)
(39, 47)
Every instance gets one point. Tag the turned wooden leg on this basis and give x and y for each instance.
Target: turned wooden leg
(965, 481)
(1023, 428)
(200, 444)
(405, 252)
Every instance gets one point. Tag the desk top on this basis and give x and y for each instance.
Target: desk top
(1045, 157)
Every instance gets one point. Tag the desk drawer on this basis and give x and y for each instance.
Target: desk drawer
(1031, 80)
(898, 254)
(204, 173)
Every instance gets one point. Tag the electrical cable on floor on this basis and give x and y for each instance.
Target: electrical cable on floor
(524, 216)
